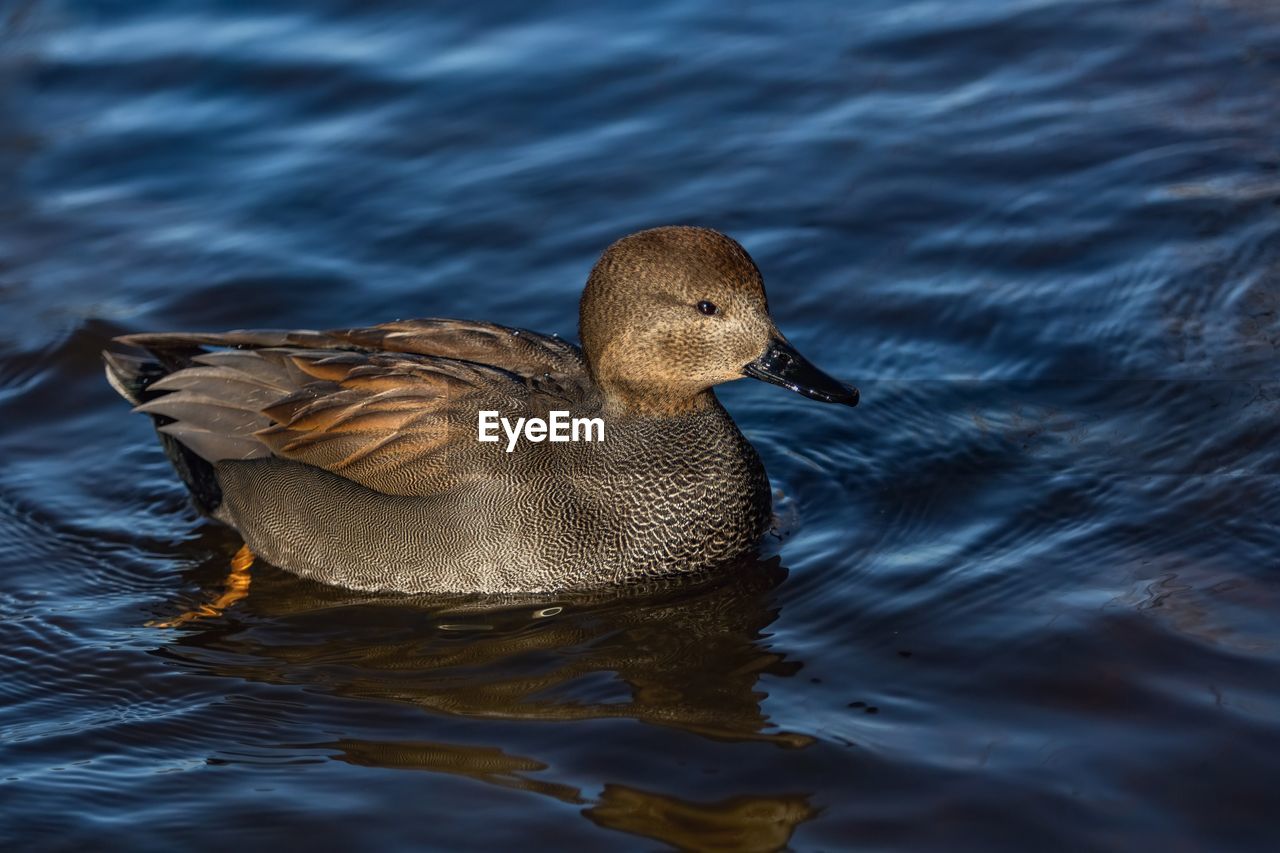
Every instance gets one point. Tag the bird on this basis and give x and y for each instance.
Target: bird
(353, 456)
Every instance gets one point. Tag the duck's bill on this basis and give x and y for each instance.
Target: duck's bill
(782, 365)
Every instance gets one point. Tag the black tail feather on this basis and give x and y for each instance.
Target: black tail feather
(131, 376)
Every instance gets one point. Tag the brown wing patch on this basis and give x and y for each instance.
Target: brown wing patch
(385, 420)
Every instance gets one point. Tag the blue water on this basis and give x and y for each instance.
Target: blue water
(1026, 596)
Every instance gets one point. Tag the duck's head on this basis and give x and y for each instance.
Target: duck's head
(669, 312)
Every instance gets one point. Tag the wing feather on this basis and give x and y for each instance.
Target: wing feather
(384, 406)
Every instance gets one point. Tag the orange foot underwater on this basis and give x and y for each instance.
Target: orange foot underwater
(235, 588)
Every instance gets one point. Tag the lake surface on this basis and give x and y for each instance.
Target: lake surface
(1026, 596)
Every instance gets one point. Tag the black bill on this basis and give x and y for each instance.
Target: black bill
(782, 365)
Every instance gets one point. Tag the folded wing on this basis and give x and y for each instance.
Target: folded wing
(382, 406)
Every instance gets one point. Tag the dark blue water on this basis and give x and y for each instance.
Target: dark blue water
(1029, 591)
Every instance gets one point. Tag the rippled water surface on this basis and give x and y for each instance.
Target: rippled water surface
(1027, 595)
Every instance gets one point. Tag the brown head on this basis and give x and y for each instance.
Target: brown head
(670, 312)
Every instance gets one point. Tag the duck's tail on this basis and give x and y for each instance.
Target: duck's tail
(132, 376)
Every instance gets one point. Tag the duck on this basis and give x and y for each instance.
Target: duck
(354, 457)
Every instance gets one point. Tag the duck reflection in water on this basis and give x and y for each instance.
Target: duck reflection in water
(685, 654)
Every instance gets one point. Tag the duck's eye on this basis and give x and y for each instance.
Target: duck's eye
(707, 308)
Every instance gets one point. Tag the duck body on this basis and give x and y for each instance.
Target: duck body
(547, 517)
(352, 456)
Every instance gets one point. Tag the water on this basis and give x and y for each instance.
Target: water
(1027, 592)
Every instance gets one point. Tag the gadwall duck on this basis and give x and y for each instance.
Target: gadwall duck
(354, 457)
